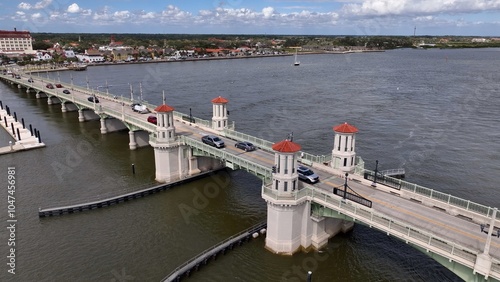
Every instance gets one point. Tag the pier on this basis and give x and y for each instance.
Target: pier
(25, 139)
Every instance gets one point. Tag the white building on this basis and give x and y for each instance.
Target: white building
(86, 58)
(42, 56)
(69, 53)
(15, 42)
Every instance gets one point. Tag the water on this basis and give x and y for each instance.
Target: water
(432, 112)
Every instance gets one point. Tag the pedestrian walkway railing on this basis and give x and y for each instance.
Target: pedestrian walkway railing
(236, 162)
(332, 205)
(444, 198)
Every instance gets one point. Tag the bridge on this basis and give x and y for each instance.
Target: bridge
(461, 235)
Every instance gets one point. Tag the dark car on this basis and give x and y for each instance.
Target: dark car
(93, 99)
(244, 145)
(152, 119)
(213, 141)
(66, 91)
(30, 80)
(58, 85)
(50, 86)
(307, 174)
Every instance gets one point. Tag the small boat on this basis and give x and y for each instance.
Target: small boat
(296, 63)
(77, 67)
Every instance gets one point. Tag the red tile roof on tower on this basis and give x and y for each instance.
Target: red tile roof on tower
(164, 108)
(286, 146)
(345, 128)
(220, 100)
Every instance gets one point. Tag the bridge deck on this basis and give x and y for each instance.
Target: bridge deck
(444, 220)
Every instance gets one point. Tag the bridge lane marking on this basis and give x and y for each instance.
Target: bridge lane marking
(424, 218)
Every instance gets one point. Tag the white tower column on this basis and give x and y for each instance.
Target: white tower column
(81, 117)
(172, 160)
(344, 147)
(104, 129)
(132, 144)
(63, 107)
(219, 117)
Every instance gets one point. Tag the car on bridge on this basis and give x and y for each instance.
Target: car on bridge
(50, 86)
(93, 99)
(58, 85)
(30, 80)
(66, 91)
(152, 119)
(212, 140)
(245, 145)
(136, 107)
(306, 174)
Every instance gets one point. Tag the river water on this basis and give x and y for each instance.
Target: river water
(432, 112)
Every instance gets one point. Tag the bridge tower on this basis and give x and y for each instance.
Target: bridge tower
(344, 144)
(290, 226)
(219, 118)
(171, 158)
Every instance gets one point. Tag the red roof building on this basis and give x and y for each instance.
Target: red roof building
(345, 128)
(220, 100)
(164, 109)
(286, 146)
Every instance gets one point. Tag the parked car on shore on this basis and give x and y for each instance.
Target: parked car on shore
(212, 140)
(306, 174)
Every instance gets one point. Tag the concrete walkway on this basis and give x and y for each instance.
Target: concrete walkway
(25, 141)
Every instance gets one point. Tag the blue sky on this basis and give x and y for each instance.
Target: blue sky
(314, 17)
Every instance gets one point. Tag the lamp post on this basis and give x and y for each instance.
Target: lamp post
(345, 185)
(190, 117)
(374, 184)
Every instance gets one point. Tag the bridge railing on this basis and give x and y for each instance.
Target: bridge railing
(333, 204)
(255, 168)
(438, 196)
(305, 157)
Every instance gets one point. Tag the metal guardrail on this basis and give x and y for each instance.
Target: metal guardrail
(386, 224)
(204, 149)
(267, 146)
(438, 196)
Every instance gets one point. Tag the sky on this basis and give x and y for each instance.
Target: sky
(280, 17)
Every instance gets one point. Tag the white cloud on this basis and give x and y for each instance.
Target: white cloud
(418, 7)
(24, 6)
(73, 8)
(268, 12)
(36, 16)
(42, 4)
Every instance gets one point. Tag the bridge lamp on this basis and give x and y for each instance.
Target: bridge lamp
(374, 184)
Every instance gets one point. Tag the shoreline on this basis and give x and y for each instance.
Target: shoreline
(206, 59)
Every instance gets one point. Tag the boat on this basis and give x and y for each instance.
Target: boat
(296, 63)
(77, 67)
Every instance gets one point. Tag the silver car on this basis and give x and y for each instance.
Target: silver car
(307, 174)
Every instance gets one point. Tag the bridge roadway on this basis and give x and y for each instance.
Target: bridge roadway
(432, 220)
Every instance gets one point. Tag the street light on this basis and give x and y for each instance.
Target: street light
(374, 184)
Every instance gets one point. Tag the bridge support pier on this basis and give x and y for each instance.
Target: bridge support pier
(49, 100)
(104, 130)
(81, 117)
(63, 107)
(38, 96)
(28, 90)
(19, 86)
(132, 144)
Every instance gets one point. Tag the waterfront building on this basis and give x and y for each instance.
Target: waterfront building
(16, 42)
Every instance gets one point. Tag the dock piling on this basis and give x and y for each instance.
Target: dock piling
(15, 116)
(31, 130)
(18, 135)
(22, 121)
